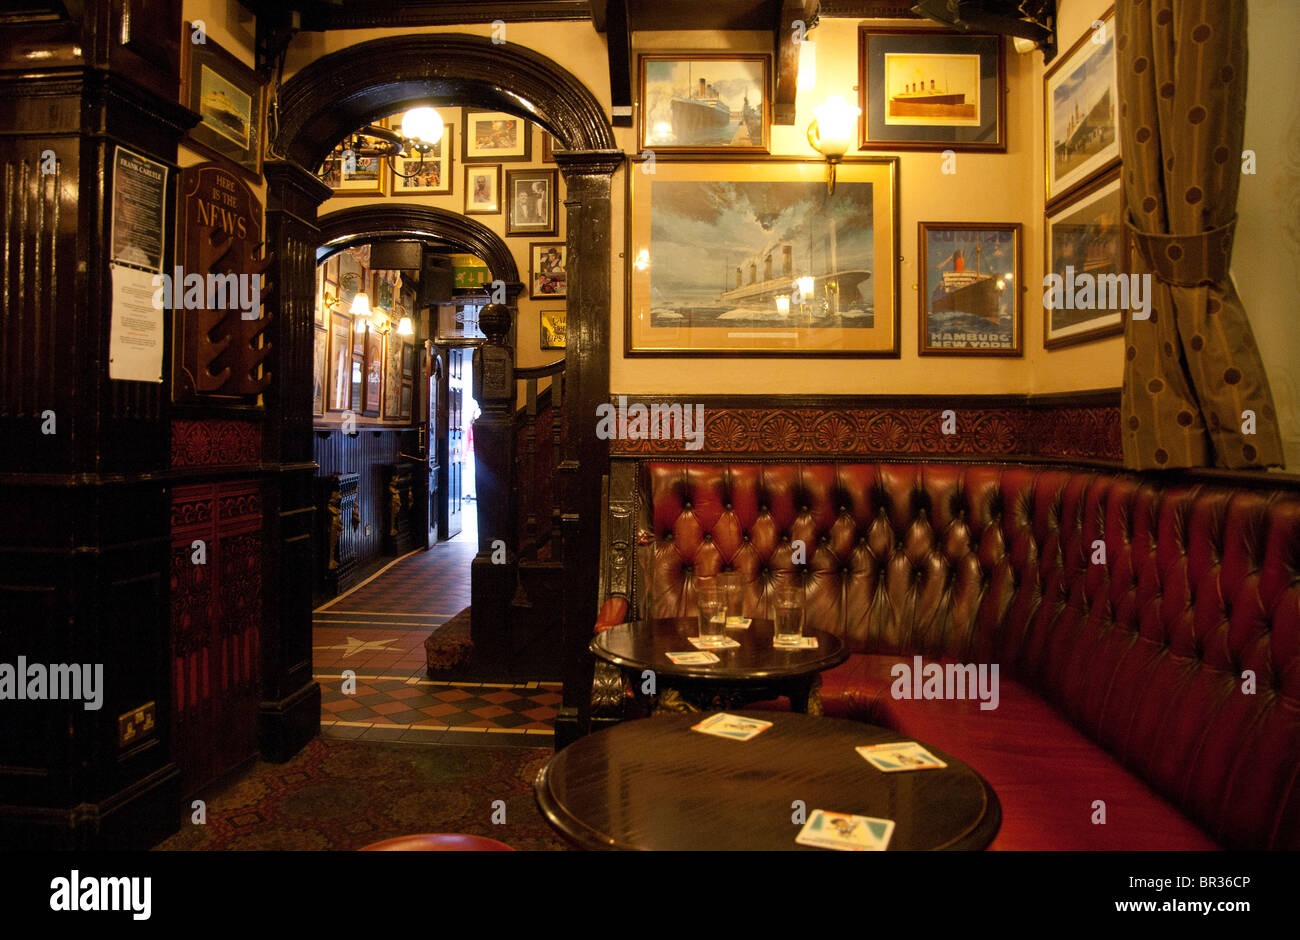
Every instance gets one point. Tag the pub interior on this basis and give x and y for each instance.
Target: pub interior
(914, 475)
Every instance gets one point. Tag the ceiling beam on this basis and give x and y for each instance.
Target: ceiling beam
(787, 55)
(618, 36)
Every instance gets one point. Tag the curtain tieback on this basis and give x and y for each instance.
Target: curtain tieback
(1187, 260)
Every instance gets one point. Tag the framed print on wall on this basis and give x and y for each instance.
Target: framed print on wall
(229, 96)
(360, 176)
(704, 102)
(532, 202)
(929, 89)
(374, 372)
(350, 284)
(408, 389)
(1085, 237)
(969, 280)
(340, 364)
(547, 279)
(496, 137)
(554, 330)
(321, 362)
(430, 176)
(755, 259)
(1080, 108)
(392, 377)
(482, 190)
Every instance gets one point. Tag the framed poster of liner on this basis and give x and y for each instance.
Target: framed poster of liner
(931, 89)
(1086, 246)
(1081, 112)
(753, 258)
(702, 102)
(970, 290)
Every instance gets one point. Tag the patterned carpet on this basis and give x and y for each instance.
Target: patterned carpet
(341, 795)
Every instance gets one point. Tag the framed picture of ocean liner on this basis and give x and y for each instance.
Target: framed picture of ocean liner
(1085, 239)
(230, 98)
(1080, 111)
(930, 89)
(969, 279)
(756, 259)
(700, 103)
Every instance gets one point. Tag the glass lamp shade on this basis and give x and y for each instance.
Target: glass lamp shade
(783, 304)
(404, 327)
(360, 305)
(835, 124)
(804, 286)
(423, 125)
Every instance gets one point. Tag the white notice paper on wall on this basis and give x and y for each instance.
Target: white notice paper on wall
(135, 344)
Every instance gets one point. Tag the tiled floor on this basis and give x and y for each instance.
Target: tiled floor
(377, 632)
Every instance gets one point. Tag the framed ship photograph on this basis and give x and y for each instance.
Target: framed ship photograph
(1080, 111)
(969, 279)
(755, 259)
(547, 277)
(1085, 235)
(496, 137)
(230, 98)
(704, 102)
(532, 202)
(928, 89)
(482, 190)
(553, 328)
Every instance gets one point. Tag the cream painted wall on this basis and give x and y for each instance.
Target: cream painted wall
(1266, 256)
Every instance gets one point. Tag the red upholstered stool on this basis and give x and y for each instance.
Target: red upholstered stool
(438, 842)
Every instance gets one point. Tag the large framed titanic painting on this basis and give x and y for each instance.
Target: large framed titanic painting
(757, 259)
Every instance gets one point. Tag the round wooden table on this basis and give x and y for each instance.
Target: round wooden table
(654, 784)
(748, 673)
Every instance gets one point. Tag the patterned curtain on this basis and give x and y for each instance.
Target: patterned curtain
(1193, 377)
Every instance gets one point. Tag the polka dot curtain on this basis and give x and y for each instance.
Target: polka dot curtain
(1195, 392)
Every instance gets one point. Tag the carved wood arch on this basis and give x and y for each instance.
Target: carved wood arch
(346, 227)
(340, 92)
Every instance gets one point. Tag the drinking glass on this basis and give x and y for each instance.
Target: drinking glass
(713, 609)
(787, 614)
(732, 586)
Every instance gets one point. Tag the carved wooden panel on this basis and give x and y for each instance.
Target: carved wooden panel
(216, 622)
(218, 343)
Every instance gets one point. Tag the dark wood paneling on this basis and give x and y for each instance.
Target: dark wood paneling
(368, 453)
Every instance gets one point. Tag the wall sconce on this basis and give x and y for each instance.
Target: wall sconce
(360, 311)
(783, 305)
(831, 133)
(422, 129)
(404, 327)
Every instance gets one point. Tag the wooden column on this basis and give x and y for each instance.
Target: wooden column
(588, 176)
(83, 493)
(290, 707)
(493, 571)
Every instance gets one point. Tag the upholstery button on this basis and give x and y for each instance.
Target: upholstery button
(727, 506)
(804, 509)
(708, 537)
(746, 538)
(686, 505)
(668, 536)
(844, 509)
(844, 571)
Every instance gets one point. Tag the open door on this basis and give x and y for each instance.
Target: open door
(452, 441)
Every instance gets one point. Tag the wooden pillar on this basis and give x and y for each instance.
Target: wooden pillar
(493, 571)
(290, 707)
(83, 492)
(588, 176)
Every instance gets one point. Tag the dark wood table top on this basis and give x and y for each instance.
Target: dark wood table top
(643, 645)
(655, 784)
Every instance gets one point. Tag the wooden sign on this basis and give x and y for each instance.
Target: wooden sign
(216, 290)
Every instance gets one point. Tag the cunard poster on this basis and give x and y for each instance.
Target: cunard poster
(969, 282)
(759, 259)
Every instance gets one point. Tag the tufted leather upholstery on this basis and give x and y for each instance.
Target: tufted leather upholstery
(1142, 654)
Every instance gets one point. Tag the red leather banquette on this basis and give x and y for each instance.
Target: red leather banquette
(1125, 677)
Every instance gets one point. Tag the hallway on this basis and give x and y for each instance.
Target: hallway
(377, 630)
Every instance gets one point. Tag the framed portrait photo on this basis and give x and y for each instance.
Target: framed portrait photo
(408, 394)
(552, 326)
(1080, 111)
(755, 259)
(969, 285)
(704, 102)
(930, 89)
(482, 190)
(339, 391)
(496, 137)
(430, 175)
(532, 202)
(230, 97)
(546, 270)
(1086, 239)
